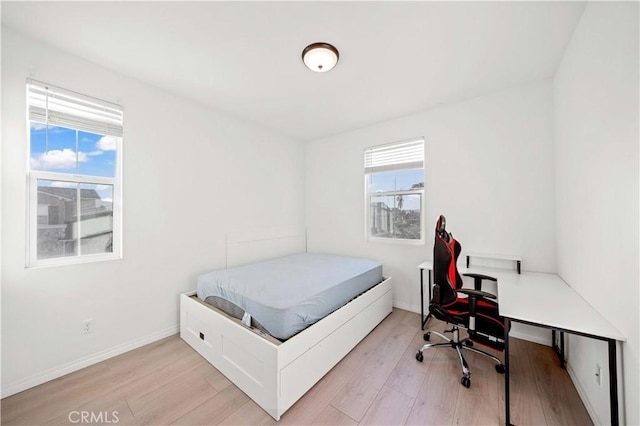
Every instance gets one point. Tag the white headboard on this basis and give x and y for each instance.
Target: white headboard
(253, 246)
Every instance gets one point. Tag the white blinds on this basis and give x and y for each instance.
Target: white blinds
(395, 156)
(59, 107)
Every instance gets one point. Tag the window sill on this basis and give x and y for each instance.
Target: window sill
(75, 260)
(397, 241)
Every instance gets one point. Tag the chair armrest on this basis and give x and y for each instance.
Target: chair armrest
(477, 279)
(477, 293)
(481, 276)
(474, 296)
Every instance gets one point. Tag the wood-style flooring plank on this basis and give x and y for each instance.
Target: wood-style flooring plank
(53, 399)
(378, 382)
(359, 393)
(408, 374)
(471, 406)
(436, 400)
(215, 409)
(525, 408)
(333, 416)
(559, 398)
(142, 360)
(134, 385)
(314, 402)
(250, 414)
(307, 409)
(166, 404)
(391, 407)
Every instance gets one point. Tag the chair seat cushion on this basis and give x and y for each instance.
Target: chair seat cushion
(489, 327)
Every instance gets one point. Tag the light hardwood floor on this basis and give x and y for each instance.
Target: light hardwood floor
(378, 382)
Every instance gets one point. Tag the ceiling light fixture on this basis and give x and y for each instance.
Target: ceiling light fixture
(320, 57)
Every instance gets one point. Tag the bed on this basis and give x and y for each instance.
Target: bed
(275, 371)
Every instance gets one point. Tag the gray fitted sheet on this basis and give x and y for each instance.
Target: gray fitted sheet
(287, 294)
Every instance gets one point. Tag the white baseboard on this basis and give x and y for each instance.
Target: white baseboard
(406, 307)
(583, 396)
(530, 333)
(54, 373)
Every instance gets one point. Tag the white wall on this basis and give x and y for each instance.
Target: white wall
(190, 176)
(489, 170)
(597, 188)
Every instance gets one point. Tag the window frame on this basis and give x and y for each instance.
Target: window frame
(394, 193)
(33, 176)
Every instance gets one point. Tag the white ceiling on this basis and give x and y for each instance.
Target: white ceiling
(396, 58)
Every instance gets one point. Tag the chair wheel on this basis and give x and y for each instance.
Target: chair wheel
(419, 356)
(427, 336)
(468, 343)
(500, 368)
(466, 382)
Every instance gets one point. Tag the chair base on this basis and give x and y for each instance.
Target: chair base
(458, 345)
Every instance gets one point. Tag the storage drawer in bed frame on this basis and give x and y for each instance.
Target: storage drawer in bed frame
(276, 374)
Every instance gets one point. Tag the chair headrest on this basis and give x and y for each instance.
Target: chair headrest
(441, 230)
(441, 225)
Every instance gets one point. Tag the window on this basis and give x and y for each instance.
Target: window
(394, 186)
(74, 177)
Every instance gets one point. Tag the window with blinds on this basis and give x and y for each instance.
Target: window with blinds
(75, 176)
(394, 186)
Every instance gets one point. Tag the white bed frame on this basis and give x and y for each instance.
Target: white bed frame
(276, 374)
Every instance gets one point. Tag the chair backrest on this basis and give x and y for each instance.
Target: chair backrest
(445, 258)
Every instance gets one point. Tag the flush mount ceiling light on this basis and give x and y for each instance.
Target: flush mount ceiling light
(320, 57)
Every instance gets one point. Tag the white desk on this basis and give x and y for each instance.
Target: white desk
(545, 300)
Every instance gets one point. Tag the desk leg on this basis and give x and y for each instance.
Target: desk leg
(559, 350)
(507, 403)
(613, 383)
(423, 319)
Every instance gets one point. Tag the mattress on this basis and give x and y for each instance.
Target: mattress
(287, 294)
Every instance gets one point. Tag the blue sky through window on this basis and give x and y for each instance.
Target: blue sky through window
(74, 152)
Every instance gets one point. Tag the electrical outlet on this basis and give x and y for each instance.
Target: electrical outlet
(87, 326)
(598, 374)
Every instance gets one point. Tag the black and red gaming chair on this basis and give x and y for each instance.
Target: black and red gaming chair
(472, 310)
